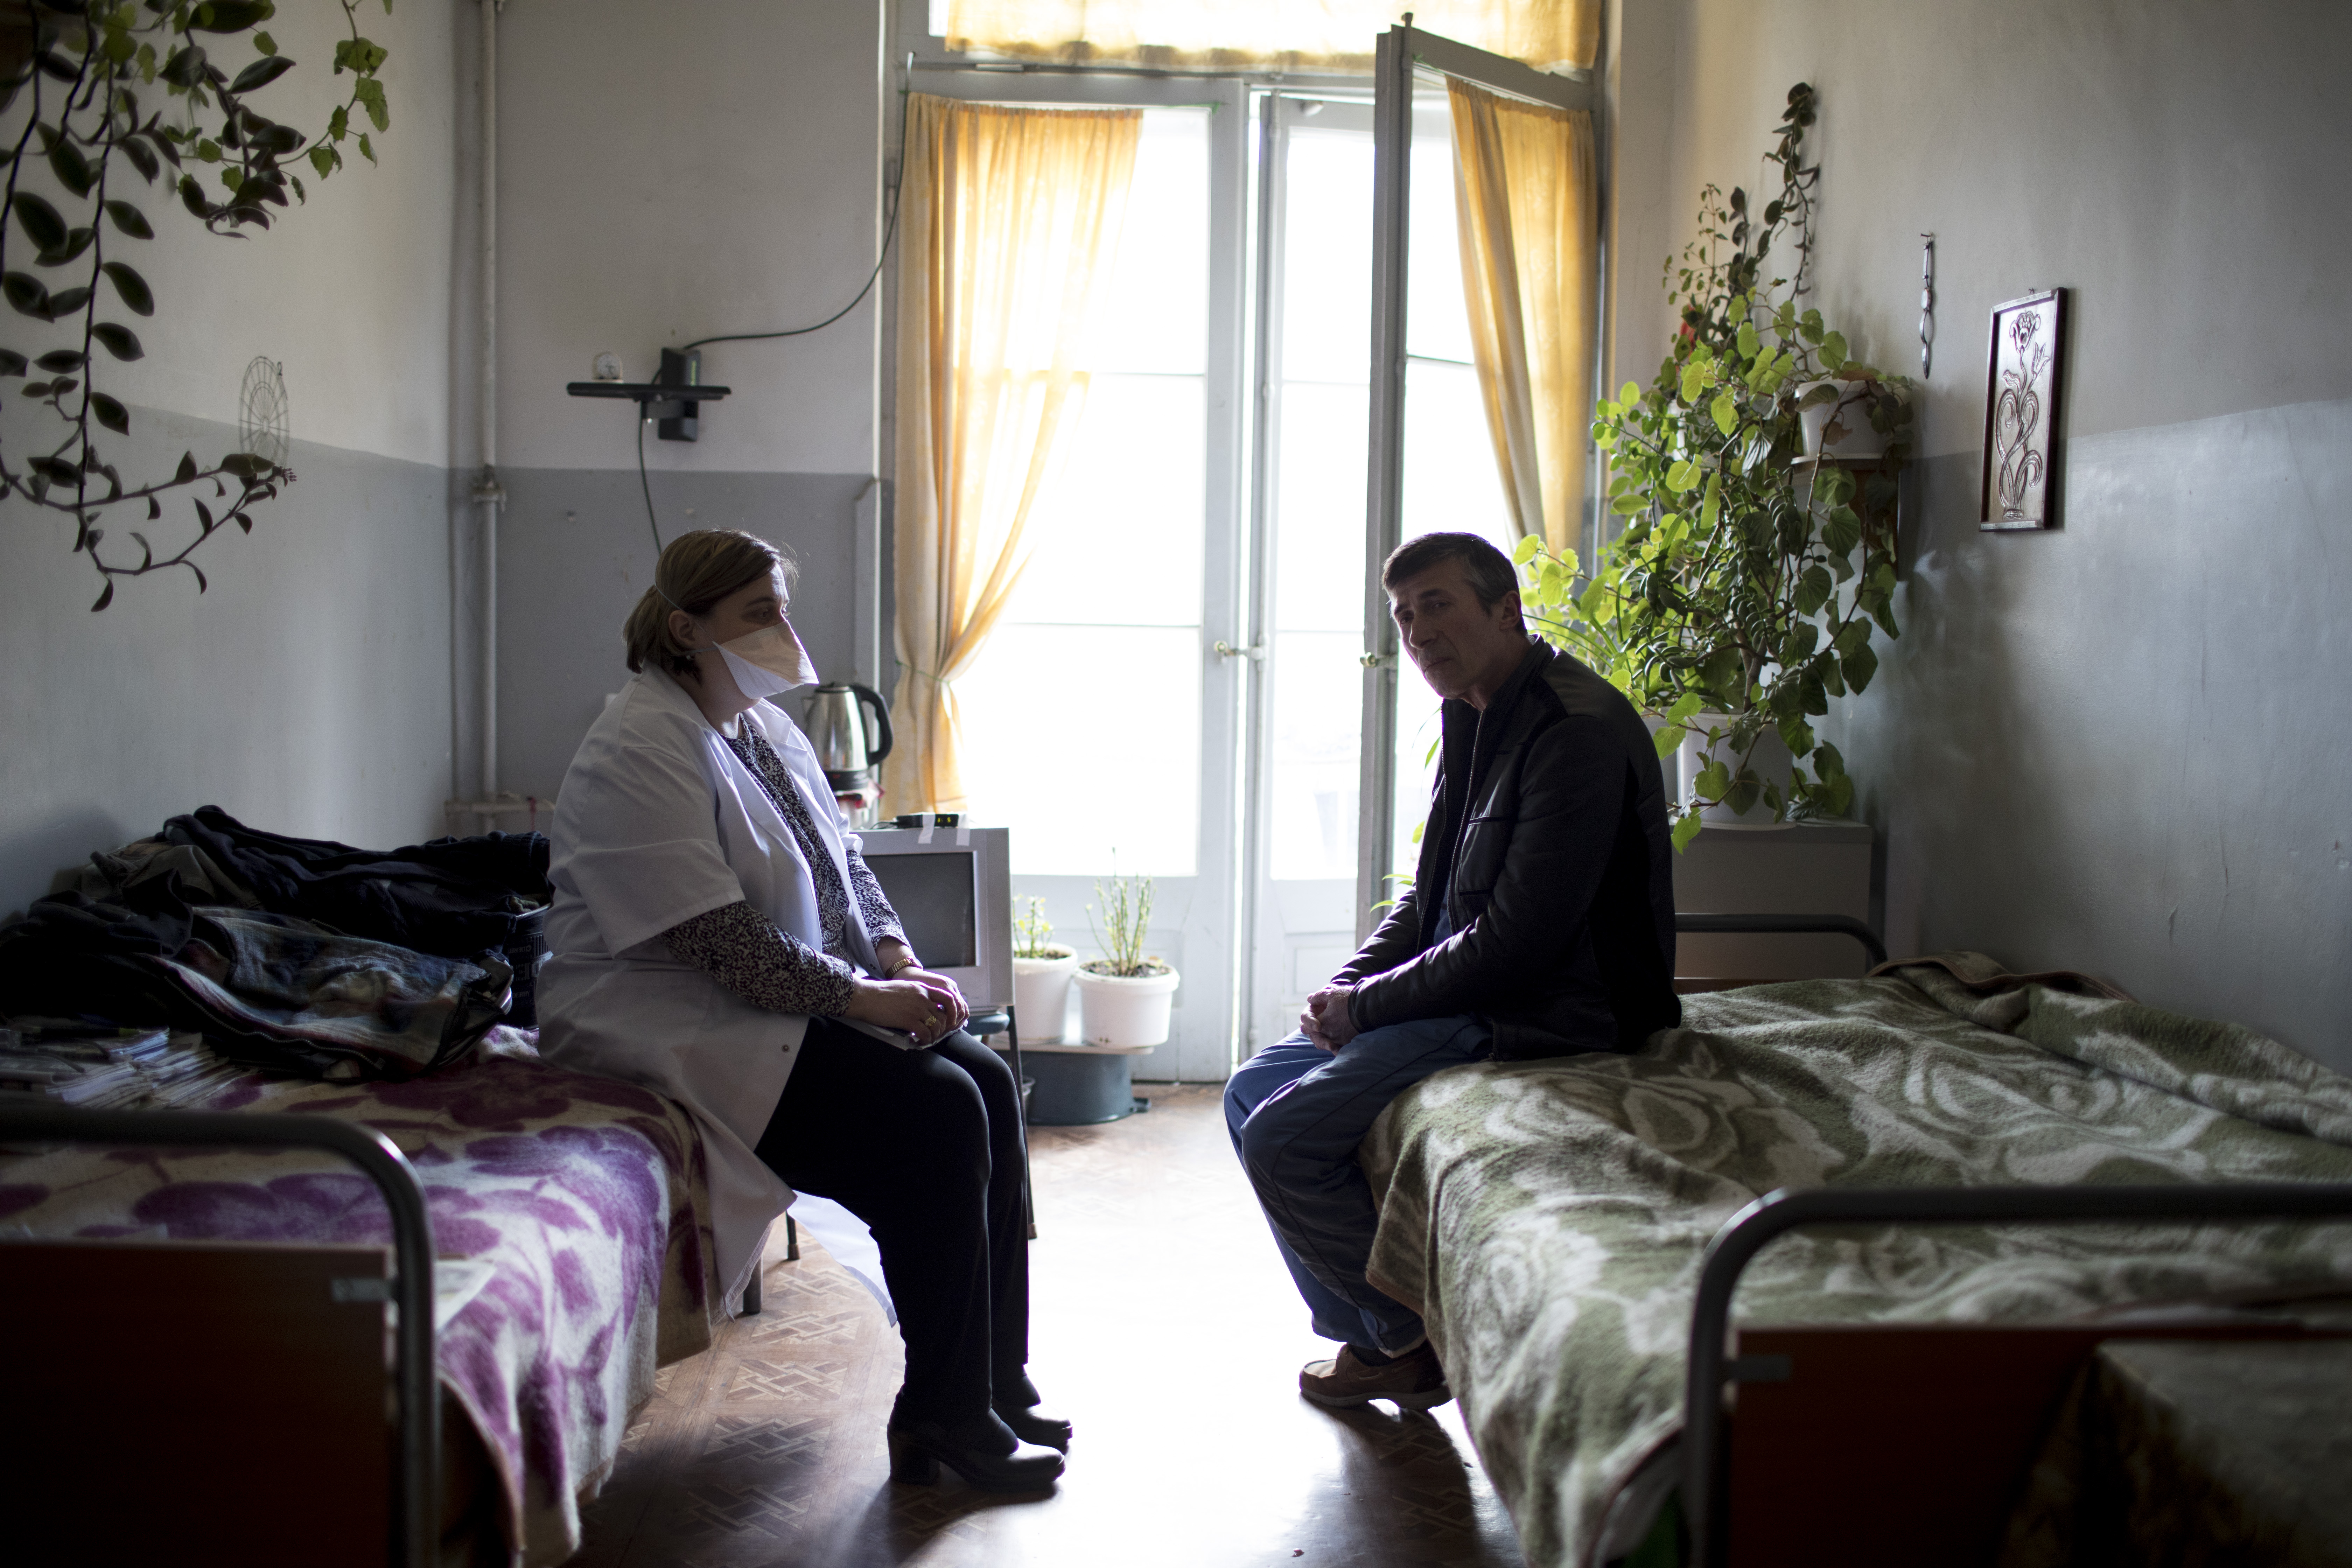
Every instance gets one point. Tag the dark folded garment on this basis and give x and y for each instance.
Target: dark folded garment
(276, 991)
(453, 897)
(267, 990)
(74, 957)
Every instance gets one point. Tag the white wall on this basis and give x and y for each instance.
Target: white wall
(2118, 746)
(309, 690)
(349, 291)
(671, 172)
(666, 173)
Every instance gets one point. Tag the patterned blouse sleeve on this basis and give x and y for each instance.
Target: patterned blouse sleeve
(873, 905)
(744, 951)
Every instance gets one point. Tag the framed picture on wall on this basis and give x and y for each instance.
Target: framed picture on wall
(2022, 386)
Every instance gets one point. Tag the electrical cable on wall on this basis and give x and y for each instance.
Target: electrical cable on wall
(647, 485)
(889, 231)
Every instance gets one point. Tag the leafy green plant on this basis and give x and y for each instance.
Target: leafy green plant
(1033, 934)
(79, 71)
(1127, 911)
(1747, 579)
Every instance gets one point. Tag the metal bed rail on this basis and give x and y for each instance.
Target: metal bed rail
(1747, 1232)
(416, 1514)
(1784, 925)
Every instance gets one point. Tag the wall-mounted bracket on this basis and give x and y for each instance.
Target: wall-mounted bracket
(677, 417)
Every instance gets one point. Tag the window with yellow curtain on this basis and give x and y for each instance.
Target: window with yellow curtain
(1009, 216)
(1265, 34)
(1082, 717)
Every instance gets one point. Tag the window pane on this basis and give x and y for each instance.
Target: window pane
(1116, 535)
(1085, 741)
(1153, 313)
(1317, 720)
(1081, 716)
(1316, 692)
(1451, 482)
(1318, 540)
(1450, 485)
(1327, 294)
(1436, 323)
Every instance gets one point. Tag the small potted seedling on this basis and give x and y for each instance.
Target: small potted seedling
(1124, 996)
(1042, 968)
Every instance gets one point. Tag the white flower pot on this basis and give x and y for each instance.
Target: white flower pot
(1124, 1010)
(1770, 759)
(1851, 409)
(1041, 996)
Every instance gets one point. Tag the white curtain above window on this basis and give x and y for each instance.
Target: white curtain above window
(1265, 34)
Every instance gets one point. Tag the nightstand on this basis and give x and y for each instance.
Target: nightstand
(1803, 867)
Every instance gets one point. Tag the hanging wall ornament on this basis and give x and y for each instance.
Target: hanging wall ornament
(261, 422)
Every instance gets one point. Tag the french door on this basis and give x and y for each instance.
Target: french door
(1101, 725)
(1197, 679)
(1316, 739)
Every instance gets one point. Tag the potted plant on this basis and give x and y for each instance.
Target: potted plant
(1124, 996)
(1042, 968)
(1740, 597)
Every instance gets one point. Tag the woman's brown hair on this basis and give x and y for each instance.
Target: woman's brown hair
(694, 572)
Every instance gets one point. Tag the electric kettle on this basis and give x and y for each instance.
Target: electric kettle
(835, 720)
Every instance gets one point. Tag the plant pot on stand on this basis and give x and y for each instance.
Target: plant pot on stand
(1121, 1018)
(1834, 417)
(1041, 995)
(1770, 761)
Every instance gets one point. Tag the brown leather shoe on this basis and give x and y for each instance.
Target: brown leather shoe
(1411, 1381)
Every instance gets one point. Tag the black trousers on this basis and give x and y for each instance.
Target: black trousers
(925, 1147)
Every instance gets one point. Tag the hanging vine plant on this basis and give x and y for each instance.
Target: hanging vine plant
(96, 84)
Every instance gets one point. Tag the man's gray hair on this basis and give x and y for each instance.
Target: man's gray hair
(1490, 570)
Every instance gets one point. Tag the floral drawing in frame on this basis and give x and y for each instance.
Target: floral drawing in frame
(2023, 384)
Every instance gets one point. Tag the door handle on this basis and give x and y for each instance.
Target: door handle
(1255, 653)
(1375, 660)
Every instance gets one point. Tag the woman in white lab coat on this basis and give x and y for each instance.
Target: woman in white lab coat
(717, 937)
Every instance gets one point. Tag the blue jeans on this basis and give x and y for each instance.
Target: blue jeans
(1297, 1112)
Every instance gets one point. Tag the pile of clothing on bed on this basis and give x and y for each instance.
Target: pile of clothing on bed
(292, 956)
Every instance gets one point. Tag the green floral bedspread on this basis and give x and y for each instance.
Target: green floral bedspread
(1547, 1218)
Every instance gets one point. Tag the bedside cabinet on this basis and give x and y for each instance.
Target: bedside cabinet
(1804, 868)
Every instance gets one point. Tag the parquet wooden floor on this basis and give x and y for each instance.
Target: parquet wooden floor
(1163, 1325)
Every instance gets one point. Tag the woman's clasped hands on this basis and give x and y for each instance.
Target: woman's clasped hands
(919, 1003)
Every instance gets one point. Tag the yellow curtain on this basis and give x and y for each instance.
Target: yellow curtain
(1276, 35)
(1009, 217)
(1528, 224)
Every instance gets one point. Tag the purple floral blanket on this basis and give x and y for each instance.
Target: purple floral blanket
(571, 1215)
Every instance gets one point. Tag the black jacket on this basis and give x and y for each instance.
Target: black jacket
(1546, 846)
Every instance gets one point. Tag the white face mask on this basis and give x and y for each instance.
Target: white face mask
(768, 662)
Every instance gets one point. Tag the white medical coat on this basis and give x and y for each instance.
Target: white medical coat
(657, 822)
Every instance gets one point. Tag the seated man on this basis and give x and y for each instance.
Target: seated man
(1540, 922)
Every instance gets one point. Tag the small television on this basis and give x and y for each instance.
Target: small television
(952, 888)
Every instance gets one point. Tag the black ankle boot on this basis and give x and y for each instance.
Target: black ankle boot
(982, 1450)
(1018, 1405)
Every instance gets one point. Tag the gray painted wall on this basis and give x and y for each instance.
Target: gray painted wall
(308, 691)
(667, 173)
(575, 554)
(2121, 745)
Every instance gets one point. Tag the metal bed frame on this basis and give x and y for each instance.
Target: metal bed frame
(1711, 1370)
(418, 1505)
(1784, 925)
